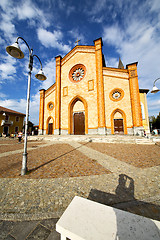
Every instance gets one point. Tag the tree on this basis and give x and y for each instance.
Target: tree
(155, 122)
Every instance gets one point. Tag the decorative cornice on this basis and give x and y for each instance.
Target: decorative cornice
(78, 48)
(115, 69)
(51, 89)
(110, 72)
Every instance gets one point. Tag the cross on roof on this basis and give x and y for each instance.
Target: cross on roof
(77, 41)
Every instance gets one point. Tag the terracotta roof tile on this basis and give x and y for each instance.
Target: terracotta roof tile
(3, 109)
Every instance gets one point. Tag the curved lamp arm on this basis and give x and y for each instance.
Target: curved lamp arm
(40, 75)
(30, 50)
(155, 81)
(39, 60)
(25, 43)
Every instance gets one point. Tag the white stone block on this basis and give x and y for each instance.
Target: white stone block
(85, 219)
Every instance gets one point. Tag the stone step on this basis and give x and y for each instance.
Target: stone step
(144, 141)
(93, 138)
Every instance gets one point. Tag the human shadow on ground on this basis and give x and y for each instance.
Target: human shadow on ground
(42, 165)
(124, 199)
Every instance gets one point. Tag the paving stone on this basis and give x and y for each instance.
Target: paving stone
(5, 228)
(39, 233)
(49, 223)
(9, 237)
(22, 229)
(54, 236)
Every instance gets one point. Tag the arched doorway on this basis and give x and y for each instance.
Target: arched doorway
(78, 116)
(118, 122)
(50, 126)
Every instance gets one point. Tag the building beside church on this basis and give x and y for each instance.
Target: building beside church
(90, 98)
(11, 121)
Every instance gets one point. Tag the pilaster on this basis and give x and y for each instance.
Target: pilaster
(134, 93)
(41, 111)
(58, 96)
(100, 85)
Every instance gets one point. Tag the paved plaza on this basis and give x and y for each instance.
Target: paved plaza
(124, 175)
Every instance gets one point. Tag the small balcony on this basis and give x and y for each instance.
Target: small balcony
(6, 122)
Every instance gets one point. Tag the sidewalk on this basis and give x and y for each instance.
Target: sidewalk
(35, 205)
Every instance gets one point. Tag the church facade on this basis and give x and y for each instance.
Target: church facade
(90, 98)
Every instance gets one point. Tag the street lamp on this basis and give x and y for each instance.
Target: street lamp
(15, 51)
(155, 89)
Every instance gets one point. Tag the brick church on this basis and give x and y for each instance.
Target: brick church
(90, 98)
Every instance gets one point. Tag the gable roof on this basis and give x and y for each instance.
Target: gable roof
(7, 110)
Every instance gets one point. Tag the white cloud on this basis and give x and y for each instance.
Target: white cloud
(3, 95)
(4, 4)
(75, 33)
(26, 10)
(7, 68)
(113, 35)
(7, 27)
(17, 105)
(96, 7)
(111, 62)
(153, 104)
(49, 39)
(49, 70)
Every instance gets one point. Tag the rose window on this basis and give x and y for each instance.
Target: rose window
(77, 73)
(116, 94)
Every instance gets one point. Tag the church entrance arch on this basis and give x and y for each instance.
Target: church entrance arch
(78, 116)
(50, 126)
(118, 122)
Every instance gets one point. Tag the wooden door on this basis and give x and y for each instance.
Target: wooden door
(50, 128)
(79, 123)
(5, 129)
(118, 126)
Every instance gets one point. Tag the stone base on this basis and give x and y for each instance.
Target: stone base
(64, 132)
(92, 131)
(138, 131)
(130, 131)
(57, 132)
(101, 131)
(108, 131)
(40, 131)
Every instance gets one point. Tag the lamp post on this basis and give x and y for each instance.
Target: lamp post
(15, 51)
(155, 89)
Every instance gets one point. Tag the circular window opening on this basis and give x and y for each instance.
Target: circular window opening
(50, 105)
(116, 94)
(77, 73)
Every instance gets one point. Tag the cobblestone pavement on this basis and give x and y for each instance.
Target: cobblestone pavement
(31, 205)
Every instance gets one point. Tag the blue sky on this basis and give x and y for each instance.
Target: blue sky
(129, 29)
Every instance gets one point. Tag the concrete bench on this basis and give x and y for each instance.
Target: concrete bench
(85, 219)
